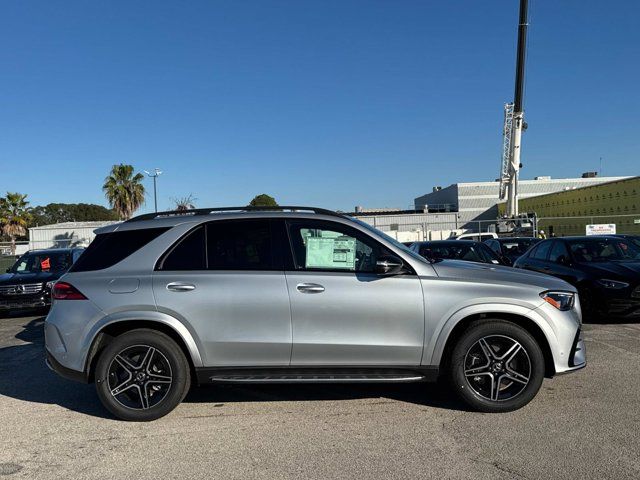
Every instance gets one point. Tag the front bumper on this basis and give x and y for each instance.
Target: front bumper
(563, 331)
(578, 354)
(622, 303)
(24, 302)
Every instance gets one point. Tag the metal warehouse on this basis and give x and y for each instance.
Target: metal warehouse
(66, 234)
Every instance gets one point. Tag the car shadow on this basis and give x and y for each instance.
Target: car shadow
(24, 376)
(434, 395)
(604, 320)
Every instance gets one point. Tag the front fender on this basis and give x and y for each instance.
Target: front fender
(435, 348)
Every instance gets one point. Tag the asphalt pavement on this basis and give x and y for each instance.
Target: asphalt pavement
(585, 425)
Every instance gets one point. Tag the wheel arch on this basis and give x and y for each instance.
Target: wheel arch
(112, 327)
(443, 351)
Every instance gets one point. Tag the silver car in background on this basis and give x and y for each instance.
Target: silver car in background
(298, 294)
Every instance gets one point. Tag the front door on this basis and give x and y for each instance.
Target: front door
(225, 281)
(343, 313)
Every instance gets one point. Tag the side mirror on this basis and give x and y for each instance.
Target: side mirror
(389, 265)
(8, 269)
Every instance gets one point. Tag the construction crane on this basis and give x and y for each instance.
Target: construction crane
(514, 125)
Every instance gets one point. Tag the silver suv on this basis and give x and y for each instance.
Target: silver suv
(298, 294)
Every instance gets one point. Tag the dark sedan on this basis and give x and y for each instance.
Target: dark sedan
(27, 284)
(457, 250)
(511, 248)
(604, 269)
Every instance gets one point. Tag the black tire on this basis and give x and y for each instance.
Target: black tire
(477, 389)
(138, 361)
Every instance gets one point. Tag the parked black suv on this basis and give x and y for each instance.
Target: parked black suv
(468, 250)
(511, 248)
(27, 284)
(605, 269)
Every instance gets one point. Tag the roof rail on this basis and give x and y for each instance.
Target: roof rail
(207, 211)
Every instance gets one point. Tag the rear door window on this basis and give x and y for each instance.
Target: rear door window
(188, 254)
(107, 249)
(242, 245)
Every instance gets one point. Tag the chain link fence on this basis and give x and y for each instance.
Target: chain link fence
(406, 231)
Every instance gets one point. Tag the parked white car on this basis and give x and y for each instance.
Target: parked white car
(478, 237)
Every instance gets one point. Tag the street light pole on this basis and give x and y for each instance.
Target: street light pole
(156, 172)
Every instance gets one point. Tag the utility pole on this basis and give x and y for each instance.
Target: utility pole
(155, 174)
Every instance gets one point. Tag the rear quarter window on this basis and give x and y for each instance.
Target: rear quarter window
(107, 249)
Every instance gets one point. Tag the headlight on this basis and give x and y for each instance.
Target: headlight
(613, 284)
(561, 300)
(50, 285)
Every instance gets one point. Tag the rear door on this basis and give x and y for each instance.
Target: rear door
(225, 280)
(343, 313)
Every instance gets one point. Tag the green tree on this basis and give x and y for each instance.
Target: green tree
(70, 212)
(263, 200)
(14, 217)
(124, 190)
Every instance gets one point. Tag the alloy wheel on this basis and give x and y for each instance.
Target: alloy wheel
(139, 377)
(497, 368)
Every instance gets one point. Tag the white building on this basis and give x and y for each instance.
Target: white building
(66, 234)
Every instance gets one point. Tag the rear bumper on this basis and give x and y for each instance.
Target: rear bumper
(63, 371)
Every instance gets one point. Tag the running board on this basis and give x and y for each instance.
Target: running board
(314, 375)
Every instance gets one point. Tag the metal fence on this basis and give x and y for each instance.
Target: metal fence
(434, 230)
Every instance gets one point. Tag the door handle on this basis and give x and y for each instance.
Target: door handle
(309, 288)
(180, 287)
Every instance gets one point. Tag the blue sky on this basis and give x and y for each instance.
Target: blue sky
(331, 103)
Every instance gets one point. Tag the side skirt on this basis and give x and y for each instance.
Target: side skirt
(328, 374)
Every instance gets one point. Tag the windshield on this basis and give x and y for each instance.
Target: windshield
(518, 246)
(604, 250)
(470, 253)
(391, 240)
(37, 262)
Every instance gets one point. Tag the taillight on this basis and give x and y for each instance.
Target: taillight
(66, 291)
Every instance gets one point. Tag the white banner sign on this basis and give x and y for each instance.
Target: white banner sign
(601, 229)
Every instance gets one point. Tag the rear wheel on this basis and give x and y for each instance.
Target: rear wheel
(142, 375)
(496, 366)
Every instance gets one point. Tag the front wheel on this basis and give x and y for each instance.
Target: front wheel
(142, 375)
(496, 366)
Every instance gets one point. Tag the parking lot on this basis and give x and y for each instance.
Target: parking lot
(585, 425)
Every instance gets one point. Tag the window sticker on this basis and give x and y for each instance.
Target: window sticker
(326, 252)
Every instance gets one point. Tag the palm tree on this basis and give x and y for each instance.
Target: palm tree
(14, 216)
(124, 190)
(185, 203)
